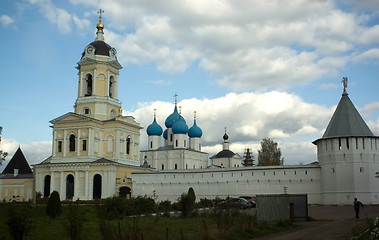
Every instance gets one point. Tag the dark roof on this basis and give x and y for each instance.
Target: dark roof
(224, 154)
(19, 162)
(101, 48)
(346, 121)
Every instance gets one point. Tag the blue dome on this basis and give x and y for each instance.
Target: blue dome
(154, 129)
(165, 134)
(173, 118)
(180, 127)
(195, 131)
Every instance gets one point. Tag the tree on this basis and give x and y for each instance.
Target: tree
(270, 154)
(3, 155)
(54, 206)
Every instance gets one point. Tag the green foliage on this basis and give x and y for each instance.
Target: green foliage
(270, 154)
(74, 222)
(19, 220)
(369, 231)
(187, 203)
(117, 207)
(54, 206)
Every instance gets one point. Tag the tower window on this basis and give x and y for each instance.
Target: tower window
(151, 144)
(170, 137)
(84, 145)
(72, 143)
(59, 146)
(86, 111)
(111, 87)
(88, 85)
(162, 166)
(176, 143)
(347, 143)
(176, 166)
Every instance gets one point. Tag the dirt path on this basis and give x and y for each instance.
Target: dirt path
(330, 222)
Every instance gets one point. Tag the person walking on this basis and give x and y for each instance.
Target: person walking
(357, 205)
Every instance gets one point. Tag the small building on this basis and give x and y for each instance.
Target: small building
(16, 181)
(226, 158)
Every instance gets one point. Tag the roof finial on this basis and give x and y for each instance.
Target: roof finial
(180, 110)
(344, 82)
(100, 27)
(225, 129)
(175, 95)
(155, 112)
(100, 12)
(194, 115)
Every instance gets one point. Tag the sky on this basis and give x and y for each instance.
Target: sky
(259, 68)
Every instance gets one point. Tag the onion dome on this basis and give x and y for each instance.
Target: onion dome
(154, 129)
(180, 127)
(225, 137)
(165, 134)
(195, 131)
(173, 118)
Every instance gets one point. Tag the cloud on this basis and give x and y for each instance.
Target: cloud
(369, 55)
(247, 45)
(34, 152)
(59, 16)
(249, 117)
(6, 20)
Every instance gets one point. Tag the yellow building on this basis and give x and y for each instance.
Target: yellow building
(95, 148)
(16, 181)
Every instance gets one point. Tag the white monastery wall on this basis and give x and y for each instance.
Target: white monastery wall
(232, 182)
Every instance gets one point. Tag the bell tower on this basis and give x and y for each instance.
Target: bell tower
(98, 79)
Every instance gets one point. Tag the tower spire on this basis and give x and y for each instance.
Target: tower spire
(100, 27)
(176, 101)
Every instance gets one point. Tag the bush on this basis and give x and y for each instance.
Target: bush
(54, 206)
(74, 222)
(19, 220)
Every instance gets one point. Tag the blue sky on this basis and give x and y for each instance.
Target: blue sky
(260, 68)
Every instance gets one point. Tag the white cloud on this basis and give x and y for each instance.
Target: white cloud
(249, 117)
(34, 152)
(369, 55)
(6, 20)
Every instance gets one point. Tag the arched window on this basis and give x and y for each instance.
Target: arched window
(125, 192)
(88, 85)
(70, 187)
(111, 87)
(46, 187)
(72, 143)
(86, 111)
(128, 145)
(97, 186)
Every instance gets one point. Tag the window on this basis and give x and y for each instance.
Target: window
(361, 169)
(363, 143)
(176, 143)
(185, 143)
(84, 145)
(88, 85)
(171, 137)
(110, 143)
(162, 166)
(59, 146)
(356, 143)
(347, 143)
(128, 145)
(72, 143)
(86, 111)
(176, 166)
(339, 143)
(151, 144)
(111, 87)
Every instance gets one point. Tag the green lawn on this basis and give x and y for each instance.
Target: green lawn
(225, 225)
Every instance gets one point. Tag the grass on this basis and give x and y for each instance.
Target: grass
(219, 225)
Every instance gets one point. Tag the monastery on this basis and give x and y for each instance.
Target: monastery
(95, 153)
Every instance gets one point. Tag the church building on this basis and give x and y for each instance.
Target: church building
(182, 146)
(95, 148)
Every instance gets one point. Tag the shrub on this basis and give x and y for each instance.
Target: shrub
(19, 220)
(74, 222)
(54, 206)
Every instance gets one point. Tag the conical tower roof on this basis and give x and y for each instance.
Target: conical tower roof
(19, 162)
(346, 121)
